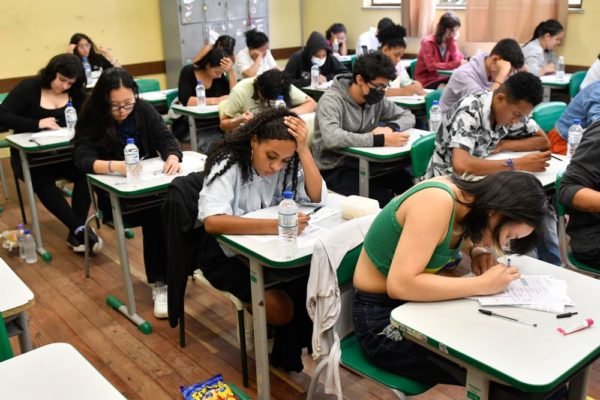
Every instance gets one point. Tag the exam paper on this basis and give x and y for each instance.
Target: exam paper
(62, 133)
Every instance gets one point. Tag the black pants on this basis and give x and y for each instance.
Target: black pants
(591, 258)
(344, 180)
(155, 252)
(44, 179)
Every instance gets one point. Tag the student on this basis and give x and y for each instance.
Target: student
(354, 113)
(483, 72)
(592, 75)
(491, 122)
(318, 52)
(211, 70)
(224, 42)
(82, 46)
(245, 172)
(580, 192)
(337, 31)
(367, 41)
(439, 51)
(540, 57)
(256, 58)
(113, 114)
(420, 234)
(584, 107)
(253, 95)
(38, 104)
(393, 46)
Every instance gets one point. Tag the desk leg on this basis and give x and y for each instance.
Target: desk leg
(128, 309)
(25, 337)
(363, 177)
(257, 286)
(478, 386)
(547, 91)
(579, 384)
(193, 137)
(32, 208)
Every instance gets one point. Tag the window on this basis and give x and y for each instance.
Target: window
(575, 3)
(442, 3)
(385, 2)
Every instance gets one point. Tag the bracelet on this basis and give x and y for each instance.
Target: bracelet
(510, 164)
(110, 166)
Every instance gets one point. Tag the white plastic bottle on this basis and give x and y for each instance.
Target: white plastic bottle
(560, 69)
(30, 248)
(335, 47)
(435, 117)
(201, 94)
(288, 224)
(279, 103)
(575, 133)
(87, 68)
(314, 76)
(70, 117)
(21, 240)
(132, 160)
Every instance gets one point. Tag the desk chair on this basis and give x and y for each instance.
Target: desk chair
(5, 349)
(147, 85)
(546, 114)
(575, 82)
(170, 97)
(420, 154)
(566, 256)
(411, 68)
(353, 357)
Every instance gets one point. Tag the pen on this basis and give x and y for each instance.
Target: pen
(556, 158)
(508, 263)
(315, 210)
(566, 315)
(493, 314)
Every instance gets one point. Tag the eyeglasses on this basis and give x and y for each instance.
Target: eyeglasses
(379, 88)
(124, 107)
(85, 46)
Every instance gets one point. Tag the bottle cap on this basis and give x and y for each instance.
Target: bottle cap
(280, 97)
(19, 226)
(199, 82)
(130, 140)
(288, 194)
(435, 103)
(84, 59)
(69, 104)
(576, 121)
(26, 231)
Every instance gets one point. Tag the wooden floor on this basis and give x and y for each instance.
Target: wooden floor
(70, 308)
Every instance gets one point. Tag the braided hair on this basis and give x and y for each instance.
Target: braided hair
(235, 147)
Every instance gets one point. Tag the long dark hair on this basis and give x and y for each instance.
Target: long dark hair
(68, 66)
(334, 29)
(235, 147)
(211, 59)
(93, 58)
(517, 197)
(96, 118)
(551, 26)
(447, 21)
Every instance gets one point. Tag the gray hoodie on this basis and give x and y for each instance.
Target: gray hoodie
(341, 123)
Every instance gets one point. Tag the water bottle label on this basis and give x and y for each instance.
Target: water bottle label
(132, 158)
(288, 220)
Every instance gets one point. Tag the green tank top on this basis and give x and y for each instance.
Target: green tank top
(382, 238)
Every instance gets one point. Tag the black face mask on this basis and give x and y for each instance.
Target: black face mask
(374, 96)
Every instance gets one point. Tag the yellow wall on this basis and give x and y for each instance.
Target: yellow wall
(284, 23)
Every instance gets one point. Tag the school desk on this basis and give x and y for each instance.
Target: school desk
(157, 98)
(152, 183)
(55, 371)
(493, 349)
(551, 82)
(193, 112)
(268, 254)
(548, 177)
(44, 151)
(380, 155)
(15, 299)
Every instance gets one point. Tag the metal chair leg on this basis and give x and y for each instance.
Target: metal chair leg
(243, 352)
(21, 205)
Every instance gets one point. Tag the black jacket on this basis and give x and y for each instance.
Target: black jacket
(300, 62)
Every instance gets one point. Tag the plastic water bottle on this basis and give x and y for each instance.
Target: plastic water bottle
(575, 133)
(201, 94)
(70, 117)
(132, 160)
(335, 47)
(30, 247)
(279, 103)
(560, 69)
(435, 117)
(88, 70)
(314, 76)
(288, 224)
(21, 240)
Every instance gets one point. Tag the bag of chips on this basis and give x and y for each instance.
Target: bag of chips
(212, 389)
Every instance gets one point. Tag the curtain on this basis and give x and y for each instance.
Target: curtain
(417, 17)
(492, 20)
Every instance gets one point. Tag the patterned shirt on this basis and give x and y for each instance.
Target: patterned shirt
(467, 126)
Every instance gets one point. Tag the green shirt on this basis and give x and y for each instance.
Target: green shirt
(383, 236)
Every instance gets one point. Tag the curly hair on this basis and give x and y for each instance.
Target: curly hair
(374, 65)
(271, 84)
(392, 36)
(523, 86)
(235, 147)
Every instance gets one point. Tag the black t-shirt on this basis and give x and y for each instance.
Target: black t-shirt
(187, 85)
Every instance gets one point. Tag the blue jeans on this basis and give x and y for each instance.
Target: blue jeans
(548, 250)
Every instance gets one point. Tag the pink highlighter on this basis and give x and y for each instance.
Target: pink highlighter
(578, 326)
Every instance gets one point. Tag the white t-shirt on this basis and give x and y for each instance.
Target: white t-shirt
(368, 39)
(402, 78)
(243, 61)
(593, 74)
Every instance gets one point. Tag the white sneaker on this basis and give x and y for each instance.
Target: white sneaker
(161, 307)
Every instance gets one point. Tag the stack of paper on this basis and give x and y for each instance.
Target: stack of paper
(537, 292)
